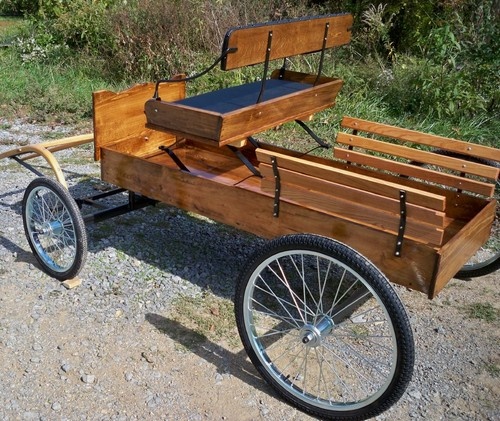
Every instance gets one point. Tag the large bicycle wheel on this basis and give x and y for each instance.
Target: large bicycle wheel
(54, 228)
(324, 328)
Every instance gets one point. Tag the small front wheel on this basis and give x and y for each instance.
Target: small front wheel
(324, 327)
(54, 228)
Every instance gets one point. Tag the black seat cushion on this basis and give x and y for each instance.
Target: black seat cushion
(237, 97)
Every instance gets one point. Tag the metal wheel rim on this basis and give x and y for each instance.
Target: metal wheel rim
(284, 381)
(51, 229)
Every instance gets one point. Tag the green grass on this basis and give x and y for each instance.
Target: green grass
(43, 93)
(482, 311)
(9, 29)
(61, 92)
(208, 316)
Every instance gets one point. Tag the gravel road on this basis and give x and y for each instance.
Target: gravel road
(129, 342)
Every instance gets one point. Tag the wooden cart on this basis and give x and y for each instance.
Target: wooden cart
(314, 307)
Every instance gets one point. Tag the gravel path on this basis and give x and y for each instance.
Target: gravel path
(128, 343)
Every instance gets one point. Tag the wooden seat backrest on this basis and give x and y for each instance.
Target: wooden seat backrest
(460, 174)
(249, 44)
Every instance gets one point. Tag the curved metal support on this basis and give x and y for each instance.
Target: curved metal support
(45, 150)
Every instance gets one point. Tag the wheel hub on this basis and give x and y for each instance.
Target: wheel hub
(312, 334)
(53, 228)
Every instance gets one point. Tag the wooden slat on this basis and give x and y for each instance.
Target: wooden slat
(418, 155)
(439, 142)
(461, 183)
(333, 191)
(118, 116)
(348, 178)
(289, 38)
(355, 211)
(458, 206)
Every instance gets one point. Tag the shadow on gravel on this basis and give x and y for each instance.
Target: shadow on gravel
(21, 254)
(177, 244)
(214, 354)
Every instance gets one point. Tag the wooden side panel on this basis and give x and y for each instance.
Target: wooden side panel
(418, 155)
(439, 142)
(336, 191)
(120, 115)
(455, 253)
(289, 38)
(183, 119)
(355, 212)
(458, 206)
(461, 183)
(251, 210)
(351, 179)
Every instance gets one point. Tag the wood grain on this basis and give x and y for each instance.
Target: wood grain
(118, 116)
(289, 38)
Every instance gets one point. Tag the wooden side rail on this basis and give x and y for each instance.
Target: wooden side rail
(356, 197)
(449, 171)
(464, 148)
(421, 164)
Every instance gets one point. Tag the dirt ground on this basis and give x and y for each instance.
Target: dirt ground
(126, 345)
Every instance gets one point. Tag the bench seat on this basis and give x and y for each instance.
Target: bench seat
(236, 97)
(232, 114)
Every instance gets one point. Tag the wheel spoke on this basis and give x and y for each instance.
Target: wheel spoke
(320, 332)
(54, 228)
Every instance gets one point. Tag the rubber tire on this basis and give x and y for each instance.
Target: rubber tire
(492, 264)
(78, 232)
(403, 367)
(479, 269)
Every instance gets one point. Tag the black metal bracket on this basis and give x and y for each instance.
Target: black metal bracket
(27, 166)
(174, 157)
(135, 202)
(309, 131)
(254, 142)
(277, 188)
(93, 200)
(402, 223)
(266, 65)
(196, 76)
(245, 160)
(320, 67)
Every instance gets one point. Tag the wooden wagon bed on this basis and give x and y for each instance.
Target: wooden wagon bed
(354, 198)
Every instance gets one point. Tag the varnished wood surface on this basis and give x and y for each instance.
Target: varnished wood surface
(409, 170)
(466, 241)
(118, 116)
(418, 155)
(219, 186)
(244, 206)
(289, 38)
(438, 142)
(359, 181)
(224, 128)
